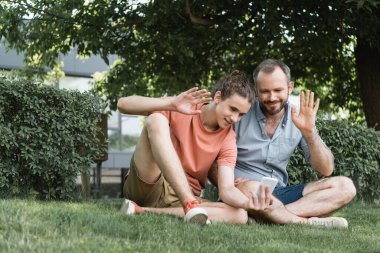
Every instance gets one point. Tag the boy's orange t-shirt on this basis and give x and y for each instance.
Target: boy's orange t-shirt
(198, 148)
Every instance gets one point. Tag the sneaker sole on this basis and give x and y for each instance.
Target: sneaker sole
(329, 222)
(196, 215)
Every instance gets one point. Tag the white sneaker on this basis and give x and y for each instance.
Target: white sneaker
(129, 207)
(196, 215)
(329, 222)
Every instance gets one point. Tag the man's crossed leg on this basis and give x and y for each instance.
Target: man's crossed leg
(316, 199)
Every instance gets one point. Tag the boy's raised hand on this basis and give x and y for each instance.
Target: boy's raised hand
(186, 101)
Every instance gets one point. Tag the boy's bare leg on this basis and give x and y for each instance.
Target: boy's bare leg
(155, 154)
(217, 212)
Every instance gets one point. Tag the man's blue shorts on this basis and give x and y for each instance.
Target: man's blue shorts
(288, 194)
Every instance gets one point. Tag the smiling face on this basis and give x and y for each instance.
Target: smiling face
(273, 91)
(231, 109)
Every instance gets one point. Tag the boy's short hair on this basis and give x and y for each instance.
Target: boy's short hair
(236, 82)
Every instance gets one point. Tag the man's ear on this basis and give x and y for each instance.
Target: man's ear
(217, 97)
(290, 87)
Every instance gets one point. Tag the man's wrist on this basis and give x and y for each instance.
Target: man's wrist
(311, 136)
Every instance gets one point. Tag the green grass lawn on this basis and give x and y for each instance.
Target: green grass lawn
(97, 226)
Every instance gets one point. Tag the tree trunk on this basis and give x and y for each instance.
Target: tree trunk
(368, 70)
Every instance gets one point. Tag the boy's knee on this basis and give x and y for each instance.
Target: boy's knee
(241, 216)
(155, 124)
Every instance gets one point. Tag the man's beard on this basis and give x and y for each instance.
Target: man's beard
(272, 112)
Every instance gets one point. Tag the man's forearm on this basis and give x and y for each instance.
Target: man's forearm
(321, 157)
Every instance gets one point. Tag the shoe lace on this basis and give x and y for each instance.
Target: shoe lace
(324, 223)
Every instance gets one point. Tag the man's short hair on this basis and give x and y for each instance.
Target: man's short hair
(236, 82)
(268, 66)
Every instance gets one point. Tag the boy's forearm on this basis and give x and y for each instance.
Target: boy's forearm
(138, 105)
(234, 197)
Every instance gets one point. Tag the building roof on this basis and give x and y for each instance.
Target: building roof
(73, 66)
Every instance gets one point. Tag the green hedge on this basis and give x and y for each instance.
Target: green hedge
(356, 150)
(47, 136)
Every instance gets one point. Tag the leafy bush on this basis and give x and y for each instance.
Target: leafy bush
(356, 149)
(47, 136)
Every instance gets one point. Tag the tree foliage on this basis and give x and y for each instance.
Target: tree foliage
(168, 46)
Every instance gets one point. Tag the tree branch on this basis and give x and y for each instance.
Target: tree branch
(196, 20)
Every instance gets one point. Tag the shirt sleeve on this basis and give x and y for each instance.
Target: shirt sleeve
(228, 152)
(167, 114)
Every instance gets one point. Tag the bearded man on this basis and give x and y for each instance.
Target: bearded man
(266, 139)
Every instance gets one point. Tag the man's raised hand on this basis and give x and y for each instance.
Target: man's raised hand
(305, 120)
(186, 101)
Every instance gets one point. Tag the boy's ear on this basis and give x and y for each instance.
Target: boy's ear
(217, 97)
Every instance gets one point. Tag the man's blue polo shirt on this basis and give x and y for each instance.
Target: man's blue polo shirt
(258, 155)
